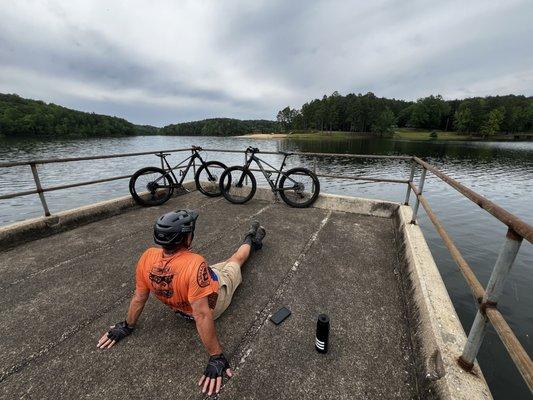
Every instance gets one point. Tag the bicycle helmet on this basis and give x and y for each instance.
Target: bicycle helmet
(172, 227)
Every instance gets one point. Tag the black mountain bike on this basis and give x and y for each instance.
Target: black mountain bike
(298, 187)
(152, 186)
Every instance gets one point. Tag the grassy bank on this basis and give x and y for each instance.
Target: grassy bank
(400, 134)
(417, 134)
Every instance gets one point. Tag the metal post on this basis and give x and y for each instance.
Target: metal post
(420, 188)
(162, 162)
(490, 299)
(411, 176)
(39, 189)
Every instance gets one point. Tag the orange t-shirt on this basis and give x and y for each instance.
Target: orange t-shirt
(177, 280)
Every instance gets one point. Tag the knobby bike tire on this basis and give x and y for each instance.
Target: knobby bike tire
(226, 189)
(147, 201)
(221, 167)
(299, 171)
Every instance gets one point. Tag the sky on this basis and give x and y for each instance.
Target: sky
(160, 62)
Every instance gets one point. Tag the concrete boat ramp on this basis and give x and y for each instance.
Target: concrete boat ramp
(394, 333)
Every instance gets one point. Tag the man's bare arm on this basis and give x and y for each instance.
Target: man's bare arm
(203, 316)
(136, 306)
(211, 380)
(134, 311)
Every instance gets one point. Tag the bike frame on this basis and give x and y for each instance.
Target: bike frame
(178, 182)
(266, 174)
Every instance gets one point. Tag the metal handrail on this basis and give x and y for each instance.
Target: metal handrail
(512, 221)
(487, 298)
(70, 159)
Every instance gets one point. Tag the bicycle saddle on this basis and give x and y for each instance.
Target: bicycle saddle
(193, 147)
(162, 154)
(252, 149)
(286, 153)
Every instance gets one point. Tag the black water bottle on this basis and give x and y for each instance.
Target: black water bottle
(322, 334)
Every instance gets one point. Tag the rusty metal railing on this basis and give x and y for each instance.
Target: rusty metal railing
(486, 298)
(517, 230)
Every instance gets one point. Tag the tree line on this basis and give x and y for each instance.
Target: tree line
(220, 127)
(483, 116)
(19, 116)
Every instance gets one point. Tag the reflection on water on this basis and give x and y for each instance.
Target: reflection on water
(500, 171)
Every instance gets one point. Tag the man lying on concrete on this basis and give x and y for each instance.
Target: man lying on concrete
(182, 280)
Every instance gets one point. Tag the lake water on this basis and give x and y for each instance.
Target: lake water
(502, 172)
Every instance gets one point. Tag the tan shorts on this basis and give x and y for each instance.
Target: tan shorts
(229, 277)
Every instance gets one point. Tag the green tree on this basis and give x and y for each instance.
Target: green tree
(419, 115)
(430, 112)
(335, 107)
(518, 119)
(462, 120)
(385, 123)
(286, 117)
(493, 122)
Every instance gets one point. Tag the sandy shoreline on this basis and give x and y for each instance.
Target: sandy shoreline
(263, 136)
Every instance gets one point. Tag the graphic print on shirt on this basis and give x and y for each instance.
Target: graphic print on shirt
(161, 280)
(203, 276)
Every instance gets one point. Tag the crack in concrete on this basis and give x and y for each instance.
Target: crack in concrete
(243, 348)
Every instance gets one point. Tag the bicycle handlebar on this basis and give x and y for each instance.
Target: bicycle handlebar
(251, 149)
(197, 148)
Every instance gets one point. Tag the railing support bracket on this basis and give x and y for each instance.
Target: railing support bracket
(39, 189)
(411, 176)
(420, 188)
(494, 288)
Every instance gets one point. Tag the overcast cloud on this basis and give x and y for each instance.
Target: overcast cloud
(159, 62)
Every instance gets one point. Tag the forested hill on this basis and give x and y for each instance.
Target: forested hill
(25, 117)
(19, 117)
(221, 127)
(485, 116)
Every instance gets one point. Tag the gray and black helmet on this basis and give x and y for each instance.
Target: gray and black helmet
(171, 228)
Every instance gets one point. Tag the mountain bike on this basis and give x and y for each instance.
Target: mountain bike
(152, 186)
(298, 187)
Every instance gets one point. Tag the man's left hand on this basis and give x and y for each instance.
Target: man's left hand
(212, 377)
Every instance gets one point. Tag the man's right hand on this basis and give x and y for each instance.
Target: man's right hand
(116, 333)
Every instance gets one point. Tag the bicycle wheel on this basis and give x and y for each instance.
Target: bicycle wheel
(237, 184)
(206, 178)
(151, 186)
(299, 187)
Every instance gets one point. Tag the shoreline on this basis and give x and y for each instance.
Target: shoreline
(262, 136)
(398, 135)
